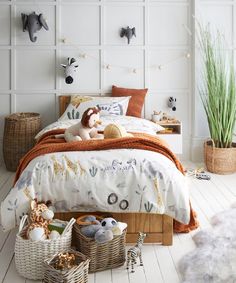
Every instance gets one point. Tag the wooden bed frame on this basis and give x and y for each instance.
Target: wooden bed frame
(158, 227)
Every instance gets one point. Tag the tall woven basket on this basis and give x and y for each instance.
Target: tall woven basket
(220, 160)
(30, 255)
(19, 132)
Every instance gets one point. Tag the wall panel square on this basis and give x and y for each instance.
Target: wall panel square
(5, 25)
(166, 24)
(44, 37)
(174, 75)
(5, 69)
(220, 17)
(5, 109)
(80, 24)
(89, 67)
(39, 103)
(117, 17)
(121, 74)
(35, 69)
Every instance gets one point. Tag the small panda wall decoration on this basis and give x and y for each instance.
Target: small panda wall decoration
(172, 103)
(71, 68)
(128, 32)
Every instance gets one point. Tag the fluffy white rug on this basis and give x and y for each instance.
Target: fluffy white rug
(214, 259)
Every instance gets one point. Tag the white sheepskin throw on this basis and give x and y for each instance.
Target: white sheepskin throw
(214, 259)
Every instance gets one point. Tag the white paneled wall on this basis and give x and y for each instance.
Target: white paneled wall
(31, 77)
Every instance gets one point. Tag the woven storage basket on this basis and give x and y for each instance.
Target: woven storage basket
(30, 255)
(220, 160)
(102, 256)
(77, 274)
(19, 132)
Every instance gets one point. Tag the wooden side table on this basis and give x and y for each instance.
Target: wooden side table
(19, 132)
(173, 136)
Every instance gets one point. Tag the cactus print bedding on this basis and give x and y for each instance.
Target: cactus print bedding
(118, 180)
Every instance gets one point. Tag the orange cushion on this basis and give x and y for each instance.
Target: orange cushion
(136, 101)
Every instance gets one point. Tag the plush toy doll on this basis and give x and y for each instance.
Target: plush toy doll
(40, 217)
(103, 231)
(86, 128)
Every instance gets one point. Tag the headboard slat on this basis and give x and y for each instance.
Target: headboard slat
(64, 101)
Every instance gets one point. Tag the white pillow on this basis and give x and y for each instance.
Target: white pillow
(107, 105)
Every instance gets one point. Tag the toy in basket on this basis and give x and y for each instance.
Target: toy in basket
(103, 242)
(68, 266)
(31, 252)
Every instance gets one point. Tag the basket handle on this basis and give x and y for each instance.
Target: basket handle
(68, 226)
(22, 223)
(213, 149)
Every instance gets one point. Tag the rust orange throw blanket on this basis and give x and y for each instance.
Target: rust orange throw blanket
(48, 144)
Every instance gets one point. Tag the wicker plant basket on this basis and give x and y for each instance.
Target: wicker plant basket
(30, 255)
(102, 256)
(77, 274)
(19, 132)
(220, 160)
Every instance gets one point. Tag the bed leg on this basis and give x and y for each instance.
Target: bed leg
(167, 236)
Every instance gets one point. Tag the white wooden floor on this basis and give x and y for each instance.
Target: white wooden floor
(160, 263)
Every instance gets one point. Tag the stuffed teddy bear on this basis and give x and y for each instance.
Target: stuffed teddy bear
(86, 128)
(103, 231)
(115, 131)
(40, 217)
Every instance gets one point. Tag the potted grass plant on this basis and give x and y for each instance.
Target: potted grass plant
(218, 95)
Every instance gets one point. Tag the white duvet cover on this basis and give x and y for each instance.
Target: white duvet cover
(120, 180)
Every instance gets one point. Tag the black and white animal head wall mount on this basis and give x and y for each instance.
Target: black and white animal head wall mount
(33, 23)
(128, 32)
(172, 103)
(71, 70)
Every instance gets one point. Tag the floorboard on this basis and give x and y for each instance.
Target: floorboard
(160, 263)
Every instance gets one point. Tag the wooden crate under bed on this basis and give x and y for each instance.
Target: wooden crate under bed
(158, 227)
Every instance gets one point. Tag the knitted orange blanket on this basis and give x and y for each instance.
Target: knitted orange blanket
(48, 144)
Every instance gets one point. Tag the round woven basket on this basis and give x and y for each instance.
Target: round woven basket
(220, 160)
(19, 132)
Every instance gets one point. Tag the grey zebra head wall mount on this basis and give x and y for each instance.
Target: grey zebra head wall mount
(172, 103)
(33, 23)
(71, 69)
(128, 32)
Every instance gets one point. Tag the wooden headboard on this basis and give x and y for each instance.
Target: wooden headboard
(64, 101)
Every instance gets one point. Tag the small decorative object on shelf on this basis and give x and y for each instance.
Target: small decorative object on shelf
(33, 23)
(128, 32)
(68, 266)
(102, 241)
(136, 252)
(156, 116)
(19, 132)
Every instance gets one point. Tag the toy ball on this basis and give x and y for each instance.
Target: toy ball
(54, 235)
(90, 230)
(103, 236)
(37, 234)
(48, 214)
(108, 223)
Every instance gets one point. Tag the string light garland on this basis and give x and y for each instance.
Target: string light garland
(133, 70)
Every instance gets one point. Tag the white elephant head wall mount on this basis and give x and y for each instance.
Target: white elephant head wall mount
(33, 23)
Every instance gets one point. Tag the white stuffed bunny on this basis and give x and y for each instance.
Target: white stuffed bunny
(86, 128)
